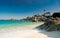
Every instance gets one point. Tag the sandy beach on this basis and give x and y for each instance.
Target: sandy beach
(27, 32)
(18, 33)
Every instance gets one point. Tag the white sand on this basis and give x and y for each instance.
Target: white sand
(21, 33)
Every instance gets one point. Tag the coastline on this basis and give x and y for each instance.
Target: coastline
(21, 33)
(29, 30)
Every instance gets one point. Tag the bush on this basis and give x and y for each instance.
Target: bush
(57, 14)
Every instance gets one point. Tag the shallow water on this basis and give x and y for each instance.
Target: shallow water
(10, 23)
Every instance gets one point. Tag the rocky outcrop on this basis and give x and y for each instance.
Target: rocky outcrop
(51, 25)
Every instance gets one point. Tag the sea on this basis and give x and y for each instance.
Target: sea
(17, 23)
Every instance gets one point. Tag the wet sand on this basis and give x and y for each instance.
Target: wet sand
(53, 34)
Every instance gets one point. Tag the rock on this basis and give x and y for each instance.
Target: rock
(49, 26)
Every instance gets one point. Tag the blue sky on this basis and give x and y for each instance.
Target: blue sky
(23, 8)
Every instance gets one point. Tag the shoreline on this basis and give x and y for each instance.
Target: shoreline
(29, 30)
(21, 33)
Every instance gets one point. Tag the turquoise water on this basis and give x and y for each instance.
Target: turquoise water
(11, 23)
